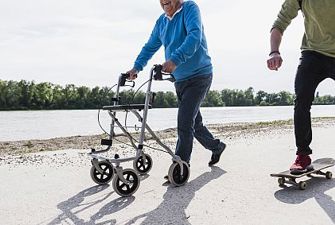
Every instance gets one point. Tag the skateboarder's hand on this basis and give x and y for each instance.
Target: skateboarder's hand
(132, 74)
(275, 61)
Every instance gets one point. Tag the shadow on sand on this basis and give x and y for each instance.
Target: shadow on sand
(70, 208)
(176, 200)
(316, 189)
(170, 211)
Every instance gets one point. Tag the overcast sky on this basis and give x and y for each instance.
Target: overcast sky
(90, 42)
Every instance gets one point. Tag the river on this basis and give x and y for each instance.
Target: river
(25, 125)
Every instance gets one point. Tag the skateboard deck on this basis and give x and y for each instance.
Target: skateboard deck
(286, 177)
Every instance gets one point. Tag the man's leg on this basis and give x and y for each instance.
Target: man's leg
(206, 139)
(204, 136)
(190, 95)
(310, 73)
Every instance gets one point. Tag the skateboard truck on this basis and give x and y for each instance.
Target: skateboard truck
(301, 185)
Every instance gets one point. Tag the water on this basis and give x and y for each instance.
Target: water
(25, 125)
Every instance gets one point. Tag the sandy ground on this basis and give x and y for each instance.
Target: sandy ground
(41, 184)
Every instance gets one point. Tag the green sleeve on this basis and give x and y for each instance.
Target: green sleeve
(288, 12)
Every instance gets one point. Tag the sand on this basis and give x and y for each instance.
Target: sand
(48, 181)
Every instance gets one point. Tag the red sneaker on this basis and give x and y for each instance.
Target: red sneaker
(301, 165)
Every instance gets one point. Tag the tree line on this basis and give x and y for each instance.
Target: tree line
(21, 95)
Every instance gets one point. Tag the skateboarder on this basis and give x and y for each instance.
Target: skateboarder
(317, 63)
(180, 31)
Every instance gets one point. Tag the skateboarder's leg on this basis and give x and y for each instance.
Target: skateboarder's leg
(310, 73)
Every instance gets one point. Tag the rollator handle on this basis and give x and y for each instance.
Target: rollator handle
(124, 78)
(158, 73)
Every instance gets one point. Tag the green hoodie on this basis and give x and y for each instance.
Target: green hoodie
(319, 19)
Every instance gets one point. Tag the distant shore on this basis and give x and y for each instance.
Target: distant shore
(93, 141)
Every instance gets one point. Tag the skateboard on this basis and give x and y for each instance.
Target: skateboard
(286, 177)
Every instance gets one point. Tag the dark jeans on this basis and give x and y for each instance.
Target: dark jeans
(191, 94)
(314, 67)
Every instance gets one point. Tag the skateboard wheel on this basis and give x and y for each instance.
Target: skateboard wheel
(302, 185)
(329, 175)
(281, 181)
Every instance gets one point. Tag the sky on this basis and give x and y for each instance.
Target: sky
(90, 42)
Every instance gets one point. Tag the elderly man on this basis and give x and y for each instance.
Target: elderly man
(179, 29)
(317, 63)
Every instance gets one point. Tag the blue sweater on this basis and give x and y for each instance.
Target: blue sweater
(184, 41)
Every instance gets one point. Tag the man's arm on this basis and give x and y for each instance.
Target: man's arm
(192, 41)
(275, 60)
(275, 39)
(149, 49)
(288, 12)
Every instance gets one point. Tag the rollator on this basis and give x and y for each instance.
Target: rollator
(126, 181)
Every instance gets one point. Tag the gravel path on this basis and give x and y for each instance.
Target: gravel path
(42, 184)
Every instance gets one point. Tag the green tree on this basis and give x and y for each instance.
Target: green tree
(58, 98)
(260, 98)
(83, 97)
(213, 98)
(228, 97)
(171, 99)
(285, 98)
(42, 95)
(31, 95)
(249, 97)
(70, 96)
(160, 101)
(12, 95)
(139, 97)
(3, 93)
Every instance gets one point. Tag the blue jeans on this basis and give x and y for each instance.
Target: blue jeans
(191, 94)
(314, 67)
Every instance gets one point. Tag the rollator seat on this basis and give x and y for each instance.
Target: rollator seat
(125, 107)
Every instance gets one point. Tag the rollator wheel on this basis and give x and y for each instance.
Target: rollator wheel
(124, 189)
(175, 176)
(143, 164)
(106, 176)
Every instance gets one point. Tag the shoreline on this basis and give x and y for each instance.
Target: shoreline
(223, 131)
